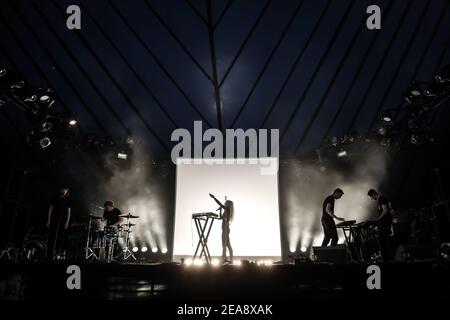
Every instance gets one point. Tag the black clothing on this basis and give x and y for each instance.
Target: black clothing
(329, 226)
(328, 200)
(330, 232)
(384, 232)
(387, 219)
(112, 217)
(57, 235)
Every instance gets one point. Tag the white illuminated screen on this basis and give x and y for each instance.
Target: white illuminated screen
(255, 229)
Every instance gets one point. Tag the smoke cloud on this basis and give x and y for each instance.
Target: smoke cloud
(309, 184)
(134, 186)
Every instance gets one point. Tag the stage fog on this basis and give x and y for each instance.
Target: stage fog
(303, 187)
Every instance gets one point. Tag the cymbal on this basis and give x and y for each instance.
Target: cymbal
(95, 217)
(128, 216)
(129, 224)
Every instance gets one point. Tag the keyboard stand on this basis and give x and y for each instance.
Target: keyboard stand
(203, 225)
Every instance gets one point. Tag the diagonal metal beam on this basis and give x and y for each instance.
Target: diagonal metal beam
(425, 51)
(356, 75)
(58, 67)
(267, 63)
(117, 85)
(247, 38)
(161, 66)
(132, 69)
(82, 69)
(177, 40)
(212, 48)
(318, 67)
(401, 62)
(42, 75)
(223, 14)
(198, 13)
(294, 65)
(379, 67)
(341, 64)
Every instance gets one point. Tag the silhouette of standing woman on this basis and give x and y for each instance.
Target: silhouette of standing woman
(227, 217)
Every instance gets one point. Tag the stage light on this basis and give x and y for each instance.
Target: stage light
(237, 263)
(443, 74)
(303, 249)
(415, 90)
(144, 249)
(135, 249)
(268, 262)
(382, 131)
(164, 250)
(44, 98)
(72, 122)
(188, 262)
(122, 156)
(18, 85)
(386, 116)
(198, 263)
(46, 126)
(45, 142)
(154, 250)
(215, 262)
(3, 72)
(292, 249)
(341, 154)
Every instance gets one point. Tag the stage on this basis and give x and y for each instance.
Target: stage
(170, 281)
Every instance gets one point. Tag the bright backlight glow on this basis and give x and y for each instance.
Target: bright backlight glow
(255, 229)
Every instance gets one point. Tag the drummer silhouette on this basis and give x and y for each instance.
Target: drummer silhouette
(111, 214)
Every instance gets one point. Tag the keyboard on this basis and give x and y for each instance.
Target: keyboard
(205, 215)
(347, 223)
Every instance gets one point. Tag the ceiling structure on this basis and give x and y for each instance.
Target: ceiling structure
(308, 68)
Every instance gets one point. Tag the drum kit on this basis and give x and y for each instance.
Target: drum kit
(101, 242)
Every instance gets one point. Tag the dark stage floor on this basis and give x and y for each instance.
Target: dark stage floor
(416, 280)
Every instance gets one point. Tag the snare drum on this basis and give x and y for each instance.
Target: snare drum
(111, 231)
(97, 239)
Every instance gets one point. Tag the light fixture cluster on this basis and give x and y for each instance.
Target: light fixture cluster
(48, 126)
(421, 98)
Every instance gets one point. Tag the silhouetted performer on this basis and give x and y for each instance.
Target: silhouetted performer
(329, 227)
(111, 214)
(58, 223)
(384, 220)
(227, 217)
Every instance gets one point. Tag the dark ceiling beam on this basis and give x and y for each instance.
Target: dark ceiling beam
(331, 83)
(355, 77)
(158, 62)
(407, 50)
(425, 52)
(247, 38)
(198, 13)
(39, 41)
(212, 49)
(267, 63)
(82, 69)
(222, 14)
(177, 40)
(132, 69)
(110, 76)
(41, 74)
(379, 67)
(317, 69)
(294, 65)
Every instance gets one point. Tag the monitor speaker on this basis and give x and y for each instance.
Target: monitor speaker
(336, 254)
